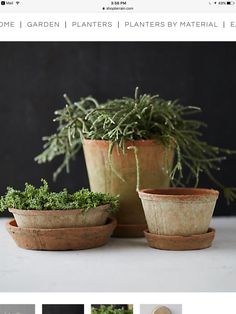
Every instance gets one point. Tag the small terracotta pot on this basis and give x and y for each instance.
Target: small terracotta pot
(53, 219)
(79, 238)
(178, 211)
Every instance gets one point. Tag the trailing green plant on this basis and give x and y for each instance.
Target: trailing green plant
(110, 309)
(43, 199)
(139, 118)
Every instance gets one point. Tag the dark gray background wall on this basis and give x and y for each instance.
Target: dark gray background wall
(34, 76)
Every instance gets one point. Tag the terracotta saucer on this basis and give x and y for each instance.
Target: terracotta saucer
(180, 243)
(61, 239)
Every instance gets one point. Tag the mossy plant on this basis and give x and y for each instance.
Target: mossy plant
(43, 199)
(140, 118)
(110, 309)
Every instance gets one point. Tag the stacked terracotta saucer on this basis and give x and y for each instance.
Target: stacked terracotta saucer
(71, 229)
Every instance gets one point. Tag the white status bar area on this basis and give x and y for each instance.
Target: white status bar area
(117, 6)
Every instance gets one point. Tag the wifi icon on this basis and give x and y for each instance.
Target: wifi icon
(17, 2)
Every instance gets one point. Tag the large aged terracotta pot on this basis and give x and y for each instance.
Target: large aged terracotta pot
(103, 177)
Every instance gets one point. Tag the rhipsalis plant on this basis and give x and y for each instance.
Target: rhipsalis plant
(43, 199)
(142, 117)
(110, 309)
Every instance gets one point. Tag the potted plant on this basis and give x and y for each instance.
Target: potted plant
(133, 143)
(47, 220)
(42, 209)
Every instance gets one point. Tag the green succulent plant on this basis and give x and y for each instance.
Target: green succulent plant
(142, 117)
(43, 199)
(110, 309)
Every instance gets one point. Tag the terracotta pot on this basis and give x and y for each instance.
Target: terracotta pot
(151, 156)
(52, 219)
(178, 211)
(79, 238)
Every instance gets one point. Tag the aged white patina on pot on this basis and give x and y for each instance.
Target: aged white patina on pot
(178, 211)
(52, 219)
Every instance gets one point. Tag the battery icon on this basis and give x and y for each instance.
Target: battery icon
(230, 2)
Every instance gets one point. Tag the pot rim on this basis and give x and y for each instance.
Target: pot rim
(128, 142)
(53, 212)
(177, 193)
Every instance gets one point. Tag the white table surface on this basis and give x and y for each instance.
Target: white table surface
(123, 265)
